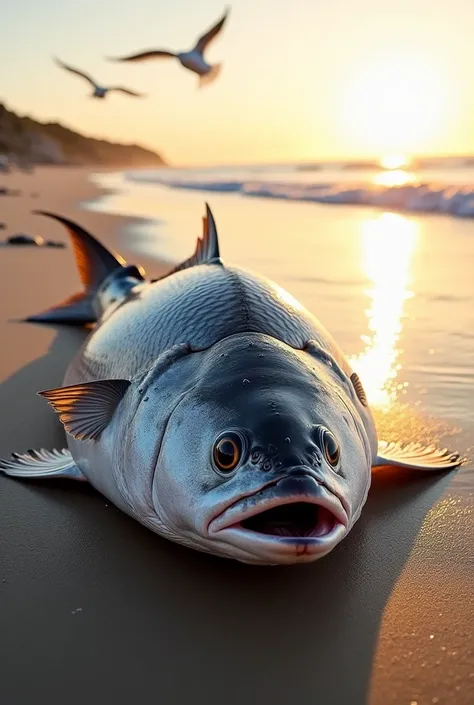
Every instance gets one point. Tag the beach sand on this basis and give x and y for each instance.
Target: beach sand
(95, 608)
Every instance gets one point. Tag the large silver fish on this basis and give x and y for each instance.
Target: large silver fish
(213, 408)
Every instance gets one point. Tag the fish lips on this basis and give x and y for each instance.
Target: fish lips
(294, 518)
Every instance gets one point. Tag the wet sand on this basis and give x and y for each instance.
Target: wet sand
(95, 608)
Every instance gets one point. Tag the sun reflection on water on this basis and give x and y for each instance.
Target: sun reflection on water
(388, 242)
(397, 177)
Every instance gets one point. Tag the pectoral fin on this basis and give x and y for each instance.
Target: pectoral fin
(42, 464)
(85, 410)
(416, 456)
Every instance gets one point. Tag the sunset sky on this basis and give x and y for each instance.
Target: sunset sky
(301, 79)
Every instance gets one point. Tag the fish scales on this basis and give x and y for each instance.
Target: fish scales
(200, 306)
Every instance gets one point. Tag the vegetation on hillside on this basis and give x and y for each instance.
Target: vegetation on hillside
(26, 140)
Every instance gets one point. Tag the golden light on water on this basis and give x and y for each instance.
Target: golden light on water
(394, 171)
(388, 242)
(396, 177)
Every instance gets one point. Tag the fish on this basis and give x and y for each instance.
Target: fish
(99, 91)
(213, 408)
(193, 60)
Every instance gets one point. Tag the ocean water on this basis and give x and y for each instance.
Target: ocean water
(443, 186)
(392, 277)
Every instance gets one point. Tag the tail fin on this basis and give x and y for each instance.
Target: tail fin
(94, 263)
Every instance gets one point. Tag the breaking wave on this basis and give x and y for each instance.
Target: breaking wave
(456, 199)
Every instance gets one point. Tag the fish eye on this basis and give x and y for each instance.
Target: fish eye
(227, 452)
(330, 448)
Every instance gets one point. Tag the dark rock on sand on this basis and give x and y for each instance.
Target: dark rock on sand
(4, 191)
(22, 239)
(55, 243)
(29, 240)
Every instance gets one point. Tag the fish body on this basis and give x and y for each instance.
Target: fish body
(215, 409)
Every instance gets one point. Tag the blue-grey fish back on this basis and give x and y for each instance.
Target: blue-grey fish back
(198, 306)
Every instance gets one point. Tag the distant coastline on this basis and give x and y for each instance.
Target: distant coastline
(26, 142)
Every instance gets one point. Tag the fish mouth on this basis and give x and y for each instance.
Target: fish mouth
(294, 519)
(295, 514)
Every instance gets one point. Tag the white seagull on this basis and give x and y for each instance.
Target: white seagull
(99, 91)
(192, 60)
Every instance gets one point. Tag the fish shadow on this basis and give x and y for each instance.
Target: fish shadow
(305, 634)
(27, 422)
(171, 623)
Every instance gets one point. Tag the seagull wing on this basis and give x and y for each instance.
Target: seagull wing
(78, 73)
(127, 91)
(144, 55)
(207, 38)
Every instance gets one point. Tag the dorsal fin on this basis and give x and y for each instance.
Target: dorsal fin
(94, 261)
(207, 248)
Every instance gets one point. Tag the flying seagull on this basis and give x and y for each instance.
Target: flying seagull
(192, 60)
(99, 91)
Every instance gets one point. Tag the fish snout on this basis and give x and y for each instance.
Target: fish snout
(274, 460)
(299, 481)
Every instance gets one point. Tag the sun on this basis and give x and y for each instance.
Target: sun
(394, 161)
(394, 105)
(395, 171)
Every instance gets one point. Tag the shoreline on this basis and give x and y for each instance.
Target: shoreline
(411, 193)
(63, 191)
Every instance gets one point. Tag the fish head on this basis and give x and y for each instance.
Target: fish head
(263, 459)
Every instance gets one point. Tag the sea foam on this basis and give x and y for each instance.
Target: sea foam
(457, 200)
